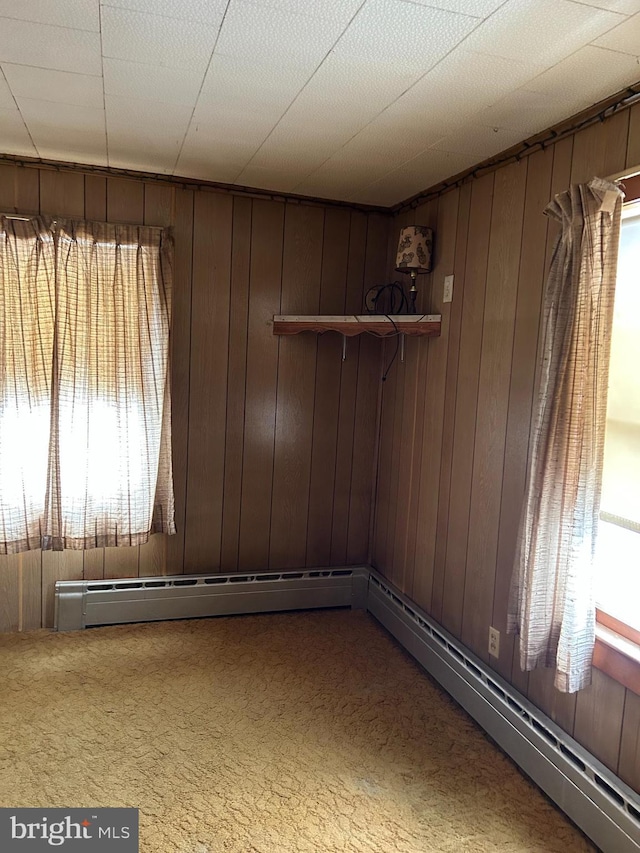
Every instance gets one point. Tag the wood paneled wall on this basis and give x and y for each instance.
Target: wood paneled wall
(456, 417)
(273, 438)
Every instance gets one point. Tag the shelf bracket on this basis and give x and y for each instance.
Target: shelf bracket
(402, 348)
(344, 347)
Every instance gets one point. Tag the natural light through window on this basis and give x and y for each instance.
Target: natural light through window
(618, 549)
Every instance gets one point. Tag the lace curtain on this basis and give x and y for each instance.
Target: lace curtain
(85, 434)
(551, 602)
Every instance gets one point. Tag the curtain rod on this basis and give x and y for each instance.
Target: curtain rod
(27, 217)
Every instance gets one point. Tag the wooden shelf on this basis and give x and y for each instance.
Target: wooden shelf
(406, 324)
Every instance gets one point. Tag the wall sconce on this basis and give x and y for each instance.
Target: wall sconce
(415, 250)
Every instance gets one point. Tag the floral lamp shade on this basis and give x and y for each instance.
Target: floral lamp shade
(415, 250)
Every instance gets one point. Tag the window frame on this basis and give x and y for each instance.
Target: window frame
(617, 646)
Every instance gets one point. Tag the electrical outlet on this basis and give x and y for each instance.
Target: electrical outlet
(447, 295)
(494, 642)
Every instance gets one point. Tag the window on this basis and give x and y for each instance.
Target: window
(84, 389)
(617, 563)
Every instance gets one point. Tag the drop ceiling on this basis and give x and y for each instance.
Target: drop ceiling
(367, 101)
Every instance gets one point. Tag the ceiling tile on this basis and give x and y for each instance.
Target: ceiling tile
(625, 37)
(478, 141)
(212, 121)
(64, 118)
(207, 168)
(606, 71)
(76, 14)
(540, 32)
(156, 40)
(337, 11)
(155, 115)
(14, 137)
(89, 148)
(626, 7)
(267, 178)
(26, 43)
(204, 11)
(428, 168)
(61, 87)
(151, 82)
(527, 112)
(132, 151)
(65, 131)
(213, 160)
(403, 36)
(263, 33)
(477, 8)
(352, 83)
(241, 80)
(6, 98)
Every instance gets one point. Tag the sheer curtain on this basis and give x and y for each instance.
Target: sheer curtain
(551, 601)
(86, 369)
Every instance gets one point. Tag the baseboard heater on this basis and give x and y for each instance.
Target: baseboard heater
(606, 809)
(88, 604)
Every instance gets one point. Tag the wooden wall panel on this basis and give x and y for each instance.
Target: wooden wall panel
(256, 423)
(493, 404)
(301, 275)
(428, 465)
(237, 368)
(267, 236)
(484, 393)
(633, 140)
(182, 217)
(472, 294)
(449, 406)
(210, 299)
(367, 397)
(326, 405)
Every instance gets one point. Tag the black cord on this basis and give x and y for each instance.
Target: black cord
(393, 358)
(386, 299)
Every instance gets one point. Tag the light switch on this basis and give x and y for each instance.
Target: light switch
(447, 295)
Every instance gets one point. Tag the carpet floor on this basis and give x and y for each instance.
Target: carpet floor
(290, 733)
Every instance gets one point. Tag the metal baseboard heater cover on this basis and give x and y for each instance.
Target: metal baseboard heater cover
(87, 604)
(606, 809)
(596, 800)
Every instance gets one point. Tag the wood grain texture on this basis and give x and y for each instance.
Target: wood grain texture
(474, 285)
(367, 396)
(493, 404)
(359, 243)
(599, 713)
(601, 149)
(180, 368)
(633, 139)
(326, 406)
(433, 414)
(267, 236)
(301, 269)
(10, 593)
(210, 299)
(449, 409)
(236, 373)
(629, 758)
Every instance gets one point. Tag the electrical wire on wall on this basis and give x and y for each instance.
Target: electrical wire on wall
(387, 299)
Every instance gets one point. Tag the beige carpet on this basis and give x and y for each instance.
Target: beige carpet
(305, 732)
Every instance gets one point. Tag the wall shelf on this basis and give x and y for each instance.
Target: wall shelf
(358, 324)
